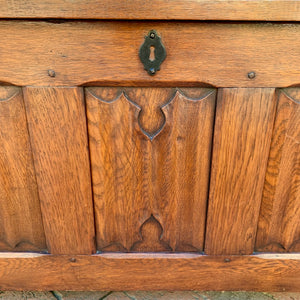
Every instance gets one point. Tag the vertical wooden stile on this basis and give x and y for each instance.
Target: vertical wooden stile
(57, 127)
(243, 129)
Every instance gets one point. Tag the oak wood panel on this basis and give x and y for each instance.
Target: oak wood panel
(150, 168)
(279, 221)
(99, 53)
(243, 129)
(275, 10)
(21, 227)
(150, 272)
(57, 126)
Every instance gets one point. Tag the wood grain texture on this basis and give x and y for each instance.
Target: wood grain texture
(264, 10)
(57, 126)
(21, 227)
(243, 130)
(99, 53)
(279, 221)
(119, 272)
(150, 178)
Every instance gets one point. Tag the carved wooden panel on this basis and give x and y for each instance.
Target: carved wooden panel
(150, 156)
(21, 227)
(279, 221)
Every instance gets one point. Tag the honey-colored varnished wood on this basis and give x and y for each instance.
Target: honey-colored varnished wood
(152, 271)
(261, 10)
(21, 227)
(279, 221)
(57, 127)
(104, 52)
(150, 164)
(186, 177)
(243, 129)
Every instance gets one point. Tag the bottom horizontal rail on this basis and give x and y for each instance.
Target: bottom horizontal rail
(115, 271)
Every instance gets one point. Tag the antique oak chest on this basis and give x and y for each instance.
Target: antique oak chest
(150, 145)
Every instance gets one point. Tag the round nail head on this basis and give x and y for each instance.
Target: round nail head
(51, 73)
(251, 75)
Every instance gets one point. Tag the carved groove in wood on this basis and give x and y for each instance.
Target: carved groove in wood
(279, 222)
(150, 157)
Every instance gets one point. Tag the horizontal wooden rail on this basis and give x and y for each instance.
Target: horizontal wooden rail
(106, 53)
(267, 272)
(258, 10)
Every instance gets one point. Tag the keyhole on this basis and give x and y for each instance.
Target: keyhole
(152, 55)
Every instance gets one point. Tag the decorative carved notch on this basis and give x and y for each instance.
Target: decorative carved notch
(152, 53)
(151, 232)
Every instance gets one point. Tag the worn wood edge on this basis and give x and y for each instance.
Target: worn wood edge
(116, 271)
(276, 10)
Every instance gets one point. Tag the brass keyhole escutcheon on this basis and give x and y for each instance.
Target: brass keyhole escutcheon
(152, 53)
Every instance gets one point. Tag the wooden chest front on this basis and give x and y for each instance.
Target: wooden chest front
(113, 177)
